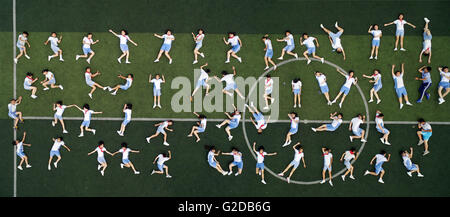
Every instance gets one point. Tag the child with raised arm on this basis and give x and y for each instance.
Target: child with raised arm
(298, 155)
(269, 52)
(232, 121)
(127, 110)
(347, 156)
(380, 160)
(322, 80)
(259, 121)
(400, 88)
(379, 125)
(230, 83)
(13, 113)
(162, 127)
(162, 158)
(125, 161)
(60, 108)
(425, 77)
(198, 39)
(129, 82)
(411, 167)
(165, 48)
(377, 34)
(54, 41)
(424, 133)
(19, 151)
(377, 85)
(337, 121)
(212, 161)
(157, 81)
(124, 38)
(260, 155)
(308, 41)
(290, 45)
(200, 128)
(358, 133)
(28, 84)
(87, 42)
(237, 161)
(400, 32)
(295, 121)
(101, 156)
(345, 89)
(327, 165)
(58, 142)
(236, 45)
(426, 45)
(87, 119)
(88, 78)
(335, 38)
(202, 81)
(21, 41)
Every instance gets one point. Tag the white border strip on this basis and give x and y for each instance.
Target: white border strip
(14, 93)
(220, 120)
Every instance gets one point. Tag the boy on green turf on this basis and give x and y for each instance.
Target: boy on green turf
(157, 81)
(327, 162)
(101, 156)
(308, 41)
(380, 159)
(19, 151)
(202, 81)
(162, 127)
(87, 42)
(298, 155)
(268, 88)
(400, 88)
(236, 45)
(347, 156)
(161, 166)
(260, 123)
(379, 125)
(88, 79)
(377, 34)
(198, 44)
(400, 32)
(260, 155)
(444, 83)
(212, 161)
(297, 90)
(87, 119)
(167, 45)
(49, 80)
(358, 133)
(125, 161)
(237, 161)
(377, 85)
(290, 45)
(409, 165)
(54, 41)
(424, 133)
(124, 38)
(295, 121)
(200, 128)
(21, 41)
(337, 121)
(230, 83)
(322, 80)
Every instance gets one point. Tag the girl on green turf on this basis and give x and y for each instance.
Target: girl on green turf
(125, 161)
(236, 45)
(21, 41)
(58, 142)
(124, 38)
(49, 80)
(237, 161)
(127, 110)
(28, 82)
(261, 154)
(213, 162)
(60, 108)
(165, 48)
(101, 156)
(377, 85)
(200, 128)
(157, 81)
(400, 32)
(54, 41)
(298, 155)
(129, 81)
(269, 52)
(198, 44)
(161, 166)
(19, 151)
(297, 90)
(87, 42)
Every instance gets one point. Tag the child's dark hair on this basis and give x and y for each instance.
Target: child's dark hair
(86, 106)
(340, 115)
(60, 138)
(212, 148)
(304, 34)
(352, 149)
(266, 36)
(59, 102)
(89, 33)
(383, 152)
(131, 75)
(101, 142)
(295, 114)
(203, 31)
(53, 33)
(287, 31)
(224, 72)
(201, 116)
(124, 145)
(170, 121)
(44, 70)
(268, 76)
(207, 70)
(14, 142)
(296, 80)
(234, 149)
(377, 70)
(169, 30)
(401, 14)
(233, 33)
(261, 148)
(428, 68)
(351, 71)
(445, 67)
(381, 115)
(421, 120)
(126, 32)
(29, 74)
(129, 106)
(299, 147)
(25, 32)
(87, 68)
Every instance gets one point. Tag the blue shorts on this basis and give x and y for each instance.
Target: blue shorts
(212, 164)
(260, 166)
(236, 48)
(345, 90)
(289, 48)
(330, 127)
(268, 91)
(198, 46)
(160, 130)
(156, 92)
(375, 43)
(87, 50)
(426, 135)
(400, 32)
(376, 88)
(269, 53)
(231, 86)
(54, 153)
(378, 168)
(401, 92)
(125, 122)
(21, 47)
(383, 131)
(201, 130)
(21, 154)
(85, 123)
(359, 132)
(52, 81)
(59, 117)
(233, 124)
(125, 161)
(293, 130)
(238, 164)
(160, 167)
(201, 83)
(101, 160)
(444, 85)
(311, 50)
(124, 87)
(12, 115)
(296, 91)
(324, 89)
(347, 164)
(123, 47)
(325, 168)
(90, 83)
(166, 47)
(412, 167)
(55, 49)
(26, 87)
(294, 163)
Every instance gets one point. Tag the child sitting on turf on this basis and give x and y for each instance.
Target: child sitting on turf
(161, 166)
(129, 82)
(49, 79)
(337, 121)
(200, 128)
(28, 82)
(232, 121)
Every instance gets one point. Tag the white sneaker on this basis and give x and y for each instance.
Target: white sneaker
(128, 62)
(102, 172)
(264, 182)
(351, 138)
(229, 173)
(296, 56)
(266, 108)
(153, 172)
(267, 67)
(114, 93)
(81, 135)
(55, 164)
(15, 60)
(104, 88)
(61, 87)
(165, 143)
(118, 132)
(28, 57)
(323, 181)
(376, 57)
(441, 100)
(321, 25)
(159, 105)
(230, 138)
(259, 172)
(88, 61)
(371, 100)
(156, 61)
(307, 63)
(425, 153)
(236, 174)
(331, 183)
(299, 105)
(33, 96)
(170, 61)
(409, 174)
(227, 61)
(90, 95)
(239, 59)
(295, 106)
(202, 55)
(274, 67)
(137, 173)
(49, 167)
(387, 143)
(61, 59)
(49, 58)
(401, 106)
(382, 140)
(272, 100)
(340, 105)
(367, 172)
(336, 25)
(121, 165)
(65, 131)
(118, 60)
(352, 177)
(402, 49)
(46, 88)
(77, 57)
(168, 176)
(19, 167)
(343, 178)
(285, 144)
(280, 58)
(281, 174)
(148, 139)
(154, 106)
(251, 104)
(408, 103)
(93, 131)
(53, 123)
(378, 101)
(224, 173)
(395, 49)
(371, 57)
(363, 140)
(288, 180)
(381, 181)
(313, 129)
(322, 60)
(195, 61)
(426, 20)
(420, 142)
(99, 166)
(419, 175)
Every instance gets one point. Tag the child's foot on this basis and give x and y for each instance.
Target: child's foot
(351, 138)
(65, 131)
(239, 59)
(371, 57)
(409, 173)
(378, 101)
(264, 182)
(93, 131)
(296, 56)
(227, 61)
(81, 135)
(395, 49)
(402, 49)
(352, 177)
(102, 172)
(280, 58)
(55, 164)
(61, 87)
(381, 181)
(90, 95)
(121, 165)
(156, 61)
(314, 129)
(366, 173)
(323, 181)
(19, 167)
(88, 61)
(77, 57)
(195, 61)
(202, 55)
(425, 153)
(371, 100)
(281, 174)
(148, 139)
(99, 166)
(230, 138)
(28, 57)
(170, 61)
(166, 144)
(136, 172)
(28, 166)
(331, 183)
(53, 123)
(118, 60)
(128, 62)
(408, 103)
(308, 62)
(46, 88)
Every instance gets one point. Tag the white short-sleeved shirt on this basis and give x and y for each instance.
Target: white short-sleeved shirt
(28, 81)
(100, 151)
(87, 42)
(327, 159)
(53, 41)
(377, 77)
(237, 117)
(348, 156)
(228, 79)
(162, 159)
(379, 121)
(380, 158)
(203, 123)
(60, 110)
(12, 108)
(22, 39)
(168, 39)
(164, 124)
(127, 114)
(297, 85)
(443, 74)
(129, 81)
(407, 161)
(349, 81)
(268, 43)
(295, 122)
(309, 42)
(399, 81)
(376, 34)
(125, 152)
(298, 155)
(123, 39)
(336, 43)
(49, 75)
(234, 40)
(400, 24)
(426, 126)
(356, 122)
(289, 40)
(199, 38)
(260, 157)
(157, 83)
(87, 115)
(237, 157)
(322, 80)
(57, 145)
(87, 76)
(336, 122)
(203, 75)
(268, 83)
(19, 147)
(210, 157)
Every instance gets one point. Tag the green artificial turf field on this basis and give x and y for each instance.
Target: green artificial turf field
(77, 174)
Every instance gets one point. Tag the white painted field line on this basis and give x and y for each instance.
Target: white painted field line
(14, 94)
(220, 120)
